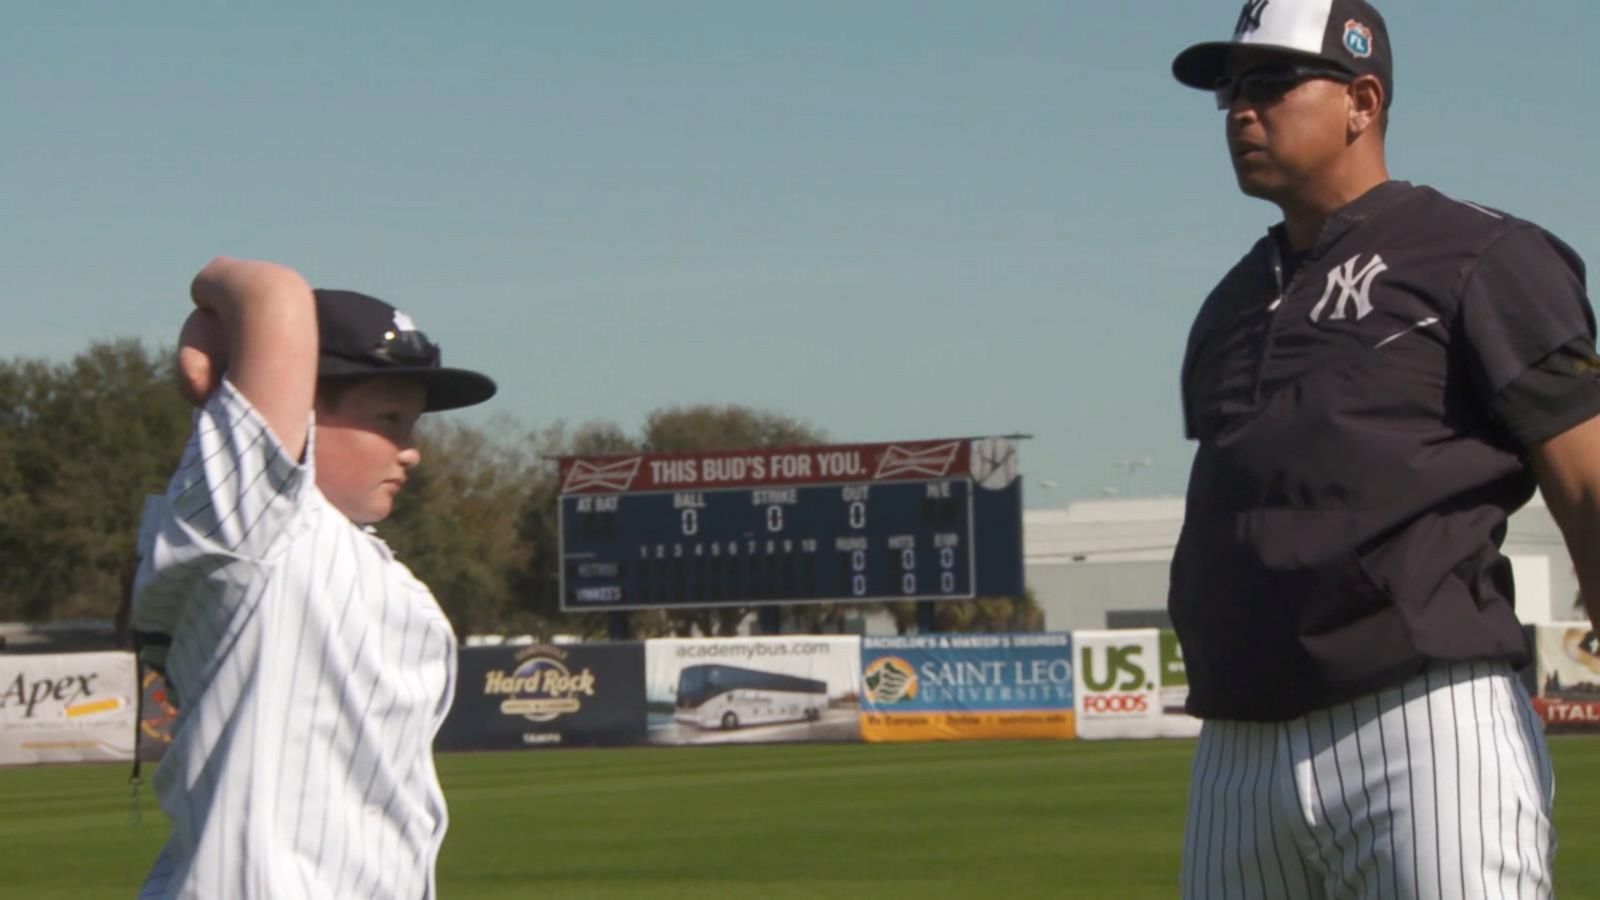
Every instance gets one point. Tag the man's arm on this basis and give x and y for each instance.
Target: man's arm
(268, 342)
(1568, 469)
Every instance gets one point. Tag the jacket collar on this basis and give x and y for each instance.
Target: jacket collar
(1346, 218)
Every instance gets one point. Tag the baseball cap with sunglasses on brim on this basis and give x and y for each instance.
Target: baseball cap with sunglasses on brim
(1269, 81)
(1339, 39)
(361, 336)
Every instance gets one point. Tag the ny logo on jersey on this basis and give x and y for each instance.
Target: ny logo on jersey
(1353, 287)
(1249, 17)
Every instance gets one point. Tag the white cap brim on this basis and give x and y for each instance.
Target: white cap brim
(1202, 65)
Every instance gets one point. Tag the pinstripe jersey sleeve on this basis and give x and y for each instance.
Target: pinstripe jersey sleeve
(237, 496)
(237, 488)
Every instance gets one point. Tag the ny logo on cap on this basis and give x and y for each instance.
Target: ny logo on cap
(1353, 287)
(402, 322)
(1249, 17)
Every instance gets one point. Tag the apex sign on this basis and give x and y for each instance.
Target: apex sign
(64, 690)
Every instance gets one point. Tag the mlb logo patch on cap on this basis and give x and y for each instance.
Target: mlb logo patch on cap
(1357, 39)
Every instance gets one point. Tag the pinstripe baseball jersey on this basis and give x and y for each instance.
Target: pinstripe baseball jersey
(312, 671)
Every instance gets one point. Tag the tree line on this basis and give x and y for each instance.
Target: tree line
(83, 442)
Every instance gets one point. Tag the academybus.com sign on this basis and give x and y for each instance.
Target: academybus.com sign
(967, 687)
(777, 689)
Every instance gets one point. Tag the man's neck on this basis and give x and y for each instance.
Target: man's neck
(1305, 213)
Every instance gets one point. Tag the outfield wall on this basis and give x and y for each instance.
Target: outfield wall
(1047, 685)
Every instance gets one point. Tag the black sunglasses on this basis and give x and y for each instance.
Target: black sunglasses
(1265, 84)
(407, 348)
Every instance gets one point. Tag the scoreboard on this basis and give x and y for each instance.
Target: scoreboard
(854, 523)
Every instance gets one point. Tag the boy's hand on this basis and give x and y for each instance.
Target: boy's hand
(202, 356)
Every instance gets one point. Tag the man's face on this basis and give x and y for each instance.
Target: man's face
(1281, 145)
(365, 445)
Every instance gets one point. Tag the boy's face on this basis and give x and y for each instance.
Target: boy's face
(365, 445)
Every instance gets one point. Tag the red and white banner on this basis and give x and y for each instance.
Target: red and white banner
(1568, 715)
(822, 464)
(69, 707)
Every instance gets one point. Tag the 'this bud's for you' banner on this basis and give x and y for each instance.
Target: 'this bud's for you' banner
(573, 695)
(1131, 684)
(966, 687)
(76, 707)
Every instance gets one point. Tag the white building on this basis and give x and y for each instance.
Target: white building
(1103, 563)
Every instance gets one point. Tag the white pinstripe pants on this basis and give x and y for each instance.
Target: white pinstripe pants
(1439, 789)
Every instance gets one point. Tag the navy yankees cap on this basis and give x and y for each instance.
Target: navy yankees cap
(362, 336)
(1346, 34)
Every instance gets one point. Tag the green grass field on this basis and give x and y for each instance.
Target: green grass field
(1069, 819)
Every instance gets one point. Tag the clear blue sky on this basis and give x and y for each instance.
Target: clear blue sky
(894, 220)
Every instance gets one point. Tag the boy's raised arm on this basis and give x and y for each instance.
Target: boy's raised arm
(263, 337)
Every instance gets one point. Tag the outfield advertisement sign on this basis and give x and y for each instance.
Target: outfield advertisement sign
(752, 690)
(942, 687)
(1132, 684)
(1568, 657)
(74, 707)
(1174, 688)
(572, 695)
(1118, 689)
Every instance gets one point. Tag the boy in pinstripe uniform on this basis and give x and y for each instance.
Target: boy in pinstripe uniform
(311, 668)
(1374, 388)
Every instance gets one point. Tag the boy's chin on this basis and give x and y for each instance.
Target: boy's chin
(372, 512)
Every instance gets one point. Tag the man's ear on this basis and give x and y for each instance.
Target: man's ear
(1366, 105)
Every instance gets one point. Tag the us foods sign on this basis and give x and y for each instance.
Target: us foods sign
(1119, 674)
(1131, 683)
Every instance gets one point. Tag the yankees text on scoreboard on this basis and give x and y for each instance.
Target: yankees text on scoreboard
(915, 520)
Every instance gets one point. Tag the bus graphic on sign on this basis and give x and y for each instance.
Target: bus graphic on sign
(728, 697)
